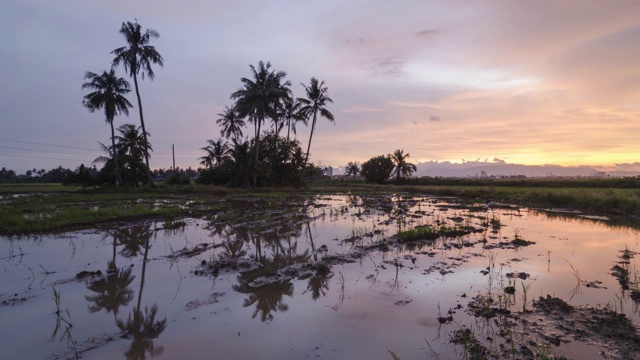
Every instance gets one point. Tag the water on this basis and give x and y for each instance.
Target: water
(296, 278)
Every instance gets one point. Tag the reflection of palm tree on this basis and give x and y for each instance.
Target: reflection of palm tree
(319, 283)
(109, 94)
(267, 298)
(112, 290)
(137, 57)
(233, 249)
(316, 101)
(141, 327)
(134, 238)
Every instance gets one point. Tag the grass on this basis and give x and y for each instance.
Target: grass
(53, 207)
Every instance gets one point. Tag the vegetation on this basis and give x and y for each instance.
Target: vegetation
(352, 168)
(258, 100)
(316, 102)
(108, 94)
(377, 169)
(403, 168)
(137, 57)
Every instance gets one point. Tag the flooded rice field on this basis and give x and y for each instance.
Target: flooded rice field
(334, 277)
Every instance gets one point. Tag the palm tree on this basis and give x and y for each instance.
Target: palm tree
(131, 141)
(316, 101)
(403, 168)
(258, 99)
(137, 57)
(231, 123)
(290, 112)
(108, 95)
(353, 168)
(216, 153)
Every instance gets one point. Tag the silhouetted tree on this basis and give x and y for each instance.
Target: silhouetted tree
(353, 168)
(403, 168)
(290, 111)
(216, 153)
(258, 100)
(137, 57)
(377, 169)
(316, 101)
(108, 95)
(230, 123)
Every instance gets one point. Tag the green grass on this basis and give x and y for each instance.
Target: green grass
(52, 207)
(619, 201)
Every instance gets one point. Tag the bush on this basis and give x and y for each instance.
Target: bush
(377, 169)
(177, 179)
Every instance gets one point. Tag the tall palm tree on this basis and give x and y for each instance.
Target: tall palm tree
(231, 123)
(258, 99)
(403, 168)
(108, 94)
(316, 102)
(290, 112)
(137, 57)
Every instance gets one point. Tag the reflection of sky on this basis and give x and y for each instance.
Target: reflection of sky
(376, 302)
(500, 84)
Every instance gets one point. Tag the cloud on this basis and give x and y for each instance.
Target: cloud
(434, 118)
(427, 33)
(391, 66)
(362, 41)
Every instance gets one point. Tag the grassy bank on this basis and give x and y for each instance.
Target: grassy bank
(601, 201)
(37, 208)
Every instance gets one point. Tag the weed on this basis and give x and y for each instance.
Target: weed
(63, 321)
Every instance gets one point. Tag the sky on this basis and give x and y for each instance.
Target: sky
(526, 82)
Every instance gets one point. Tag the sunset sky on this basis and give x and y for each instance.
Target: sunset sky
(527, 82)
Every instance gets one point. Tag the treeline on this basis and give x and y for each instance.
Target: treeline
(90, 176)
(562, 182)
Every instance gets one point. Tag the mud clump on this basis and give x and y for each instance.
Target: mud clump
(552, 305)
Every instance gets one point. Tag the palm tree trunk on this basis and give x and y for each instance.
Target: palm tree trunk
(255, 164)
(288, 129)
(115, 155)
(144, 130)
(306, 158)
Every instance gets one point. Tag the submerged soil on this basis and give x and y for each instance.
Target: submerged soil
(334, 276)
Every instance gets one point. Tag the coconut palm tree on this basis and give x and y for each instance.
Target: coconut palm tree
(216, 153)
(231, 123)
(403, 168)
(290, 112)
(131, 141)
(353, 168)
(137, 57)
(258, 100)
(108, 94)
(316, 102)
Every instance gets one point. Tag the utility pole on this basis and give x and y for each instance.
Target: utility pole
(173, 153)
